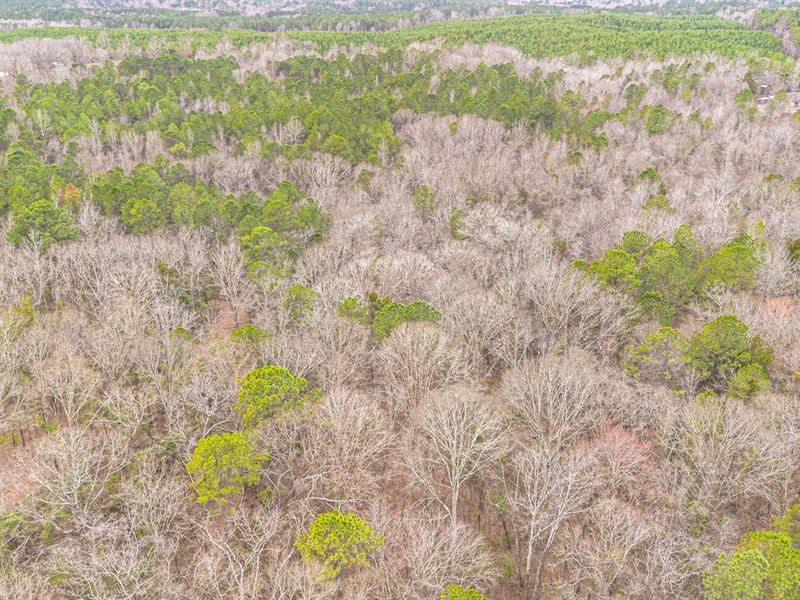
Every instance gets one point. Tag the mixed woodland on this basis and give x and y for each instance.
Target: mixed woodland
(399, 304)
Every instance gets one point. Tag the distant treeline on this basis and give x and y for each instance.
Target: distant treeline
(589, 36)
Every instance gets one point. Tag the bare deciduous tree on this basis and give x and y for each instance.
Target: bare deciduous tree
(228, 271)
(728, 453)
(604, 559)
(454, 439)
(71, 469)
(415, 359)
(238, 543)
(543, 491)
(422, 558)
(570, 309)
(557, 399)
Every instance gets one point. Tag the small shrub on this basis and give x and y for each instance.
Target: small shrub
(634, 94)
(658, 202)
(424, 200)
(774, 178)
(650, 174)
(745, 97)
(575, 158)
(657, 119)
(794, 250)
(181, 333)
(18, 317)
(457, 217)
(11, 523)
(364, 179)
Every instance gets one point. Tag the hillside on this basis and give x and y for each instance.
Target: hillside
(442, 308)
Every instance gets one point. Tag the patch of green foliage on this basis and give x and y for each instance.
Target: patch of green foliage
(733, 265)
(424, 200)
(661, 356)
(269, 391)
(249, 334)
(383, 315)
(272, 231)
(41, 223)
(272, 234)
(789, 524)
(299, 300)
(653, 307)
(339, 541)
(342, 105)
(457, 216)
(352, 308)
(657, 119)
(223, 465)
(723, 347)
(658, 202)
(590, 36)
(18, 317)
(616, 268)
(793, 248)
(11, 523)
(141, 216)
(659, 199)
(635, 242)
(663, 277)
(456, 592)
(749, 381)
(393, 313)
(721, 356)
(765, 564)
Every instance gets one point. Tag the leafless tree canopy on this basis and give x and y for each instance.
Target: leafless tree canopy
(503, 437)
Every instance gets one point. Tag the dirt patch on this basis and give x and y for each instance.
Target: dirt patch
(16, 482)
(780, 306)
(688, 326)
(226, 319)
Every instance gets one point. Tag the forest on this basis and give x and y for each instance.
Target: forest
(399, 301)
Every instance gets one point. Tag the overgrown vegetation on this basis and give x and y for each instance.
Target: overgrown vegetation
(378, 301)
